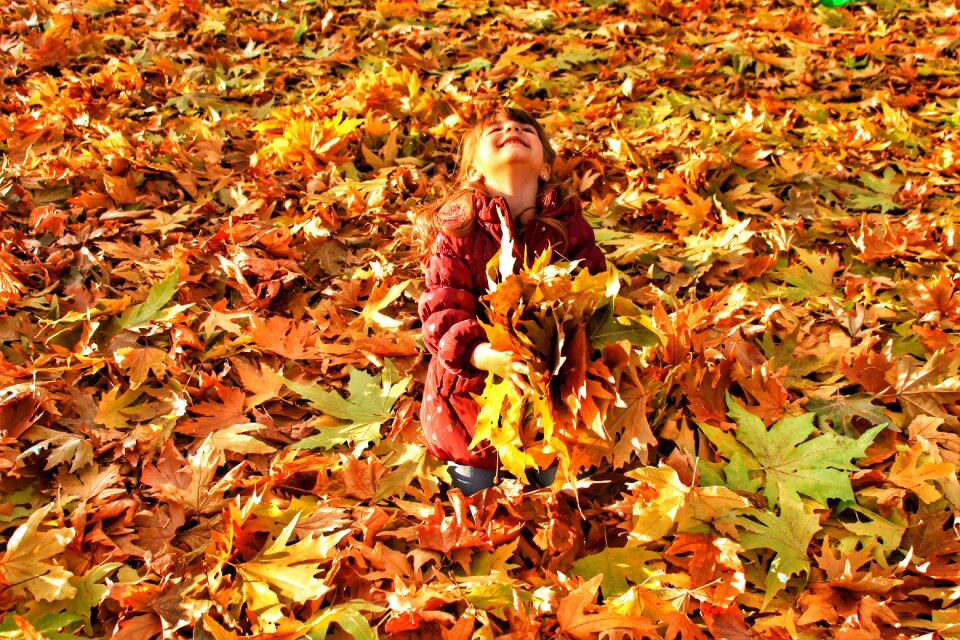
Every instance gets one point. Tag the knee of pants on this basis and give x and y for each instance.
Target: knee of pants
(469, 479)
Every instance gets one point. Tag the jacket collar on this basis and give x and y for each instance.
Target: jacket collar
(548, 202)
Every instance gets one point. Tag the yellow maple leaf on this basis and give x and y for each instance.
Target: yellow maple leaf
(908, 472)
(287, 572)
(28, 564)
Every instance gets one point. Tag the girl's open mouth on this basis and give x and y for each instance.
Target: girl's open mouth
(512, 140)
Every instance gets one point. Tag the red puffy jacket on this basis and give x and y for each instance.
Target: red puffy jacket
(455, 279)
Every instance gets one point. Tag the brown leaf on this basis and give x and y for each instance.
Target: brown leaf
(227, 413)
(725, 623)
(361, 476)
(263, 382)
(910, 473)
(580, 618)
(284, 337)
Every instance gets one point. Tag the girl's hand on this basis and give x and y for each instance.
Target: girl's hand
(503, 364)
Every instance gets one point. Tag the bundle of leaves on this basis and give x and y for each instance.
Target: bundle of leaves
(578, 338)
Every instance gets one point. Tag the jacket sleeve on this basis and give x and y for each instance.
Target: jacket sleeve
(583, 245)
(448, 311)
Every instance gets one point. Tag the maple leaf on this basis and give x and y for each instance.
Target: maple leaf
(368, 405)
(925, 390)
(216, 416)
(348, 615)
(910, 473)
(788, 534)
(265, 383)
(666, 502)
(278, 166)
(872, 528)
(578, 621)
(28, 565)
(616, 566)
(139, 362)
(115, 408)
(842, 410)
(627, 418)
(65, 448)
(283, 336)
(287, 571)
(811, 282)
(791, 462)
(190, 485)
(40, 627)
(880, 192)
(91, 591)
(380, 298)
(496, 598)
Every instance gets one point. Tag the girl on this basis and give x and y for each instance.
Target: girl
(504, 185)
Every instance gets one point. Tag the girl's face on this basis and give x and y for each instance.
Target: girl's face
(507, 146)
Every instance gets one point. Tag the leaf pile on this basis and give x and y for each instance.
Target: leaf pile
(209, 362)
(557, 321)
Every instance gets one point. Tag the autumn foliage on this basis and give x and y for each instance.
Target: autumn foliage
(210, 366)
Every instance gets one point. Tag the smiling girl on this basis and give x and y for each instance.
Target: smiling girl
(504, 186)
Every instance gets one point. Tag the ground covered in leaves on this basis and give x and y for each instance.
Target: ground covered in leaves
(210, 363)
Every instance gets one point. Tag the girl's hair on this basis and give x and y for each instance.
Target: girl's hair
(443, 214)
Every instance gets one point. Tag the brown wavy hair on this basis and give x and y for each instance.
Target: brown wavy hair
(440, 215)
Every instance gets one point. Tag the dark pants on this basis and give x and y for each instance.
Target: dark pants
(470, 480)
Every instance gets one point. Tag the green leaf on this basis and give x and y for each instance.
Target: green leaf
(617, 566)
(571, 57)
(494, 597)
(483, 563)
(160, 294)
(811, 279)
(873, 527)
(605, 327)
(788, 534)
(791, 461)
(738, 476)
(91, 588)
(841, 410)
(50, 626)
(368, 405)
(501, 408)
(349, 615)
(474, 64)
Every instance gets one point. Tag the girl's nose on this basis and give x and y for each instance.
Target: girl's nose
(511, 126)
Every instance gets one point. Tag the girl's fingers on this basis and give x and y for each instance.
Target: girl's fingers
(520, 367)
(521, 383)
